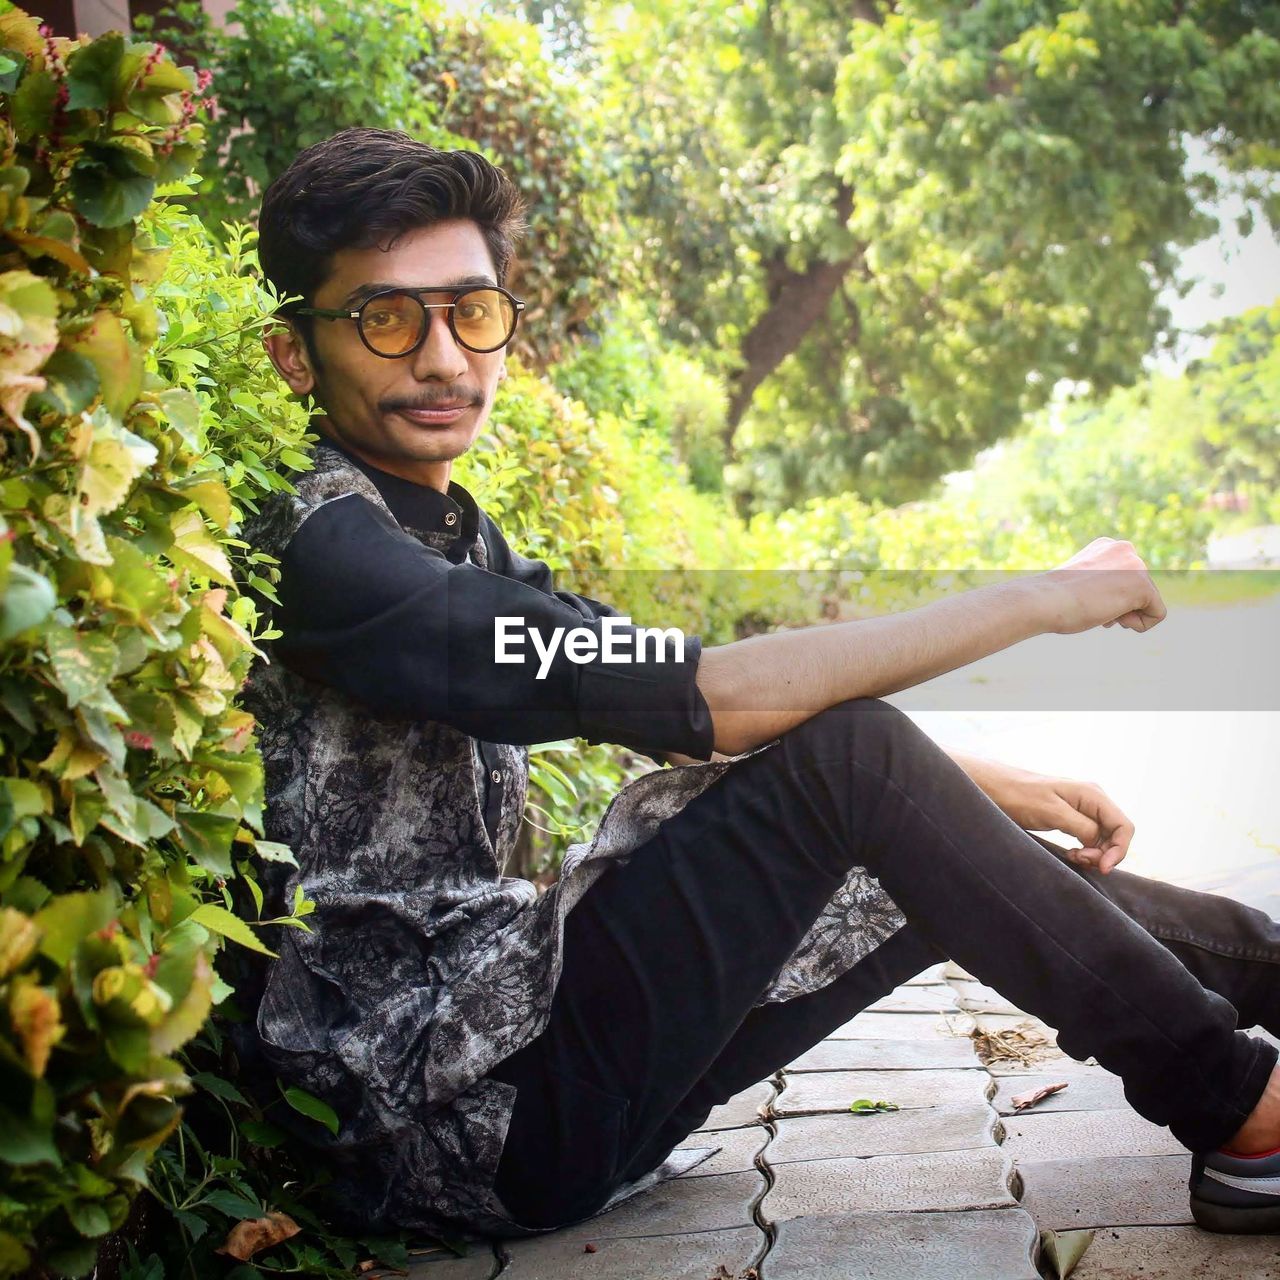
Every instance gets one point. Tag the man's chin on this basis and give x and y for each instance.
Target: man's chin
(436, 442)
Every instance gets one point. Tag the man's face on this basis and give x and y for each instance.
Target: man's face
(379, 408)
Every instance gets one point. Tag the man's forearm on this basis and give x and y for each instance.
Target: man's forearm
(760, 687)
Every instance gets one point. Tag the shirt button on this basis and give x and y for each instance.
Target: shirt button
(496, 775)
(451, 517)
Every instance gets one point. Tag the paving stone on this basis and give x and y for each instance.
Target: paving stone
(1088, 1089)
(938, 998)
(1264, 1034)
(742, 1109)
(935, 973)
(682, 1257)
(991, 1244)
(1178, 1253)
(813, 1092)
(979, 998)
(1063, 1135)
(903, 1026)
(942, 1053)
(894, 1133)
(1063, 1195)
(884, 1184)
(739, 1148)
(479, 1264)
(677, 1207)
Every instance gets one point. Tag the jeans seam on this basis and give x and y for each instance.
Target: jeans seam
(846, 761)
(1229, 953)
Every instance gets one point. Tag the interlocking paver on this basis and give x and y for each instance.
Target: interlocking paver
(677, 1207)
(1088, 1089)
(811, 1093)
(928, 977)
(903, 1026)
(938, 998)
(979, 998)
(480, 1263)
(994, 1245)
(958, 1128)
(742, 1109)
(1063, 1195)
(882, 1184)
(1057, 1135)
(682, 1257)
(1178, 1253)
(739, 1148)
(941, 1053)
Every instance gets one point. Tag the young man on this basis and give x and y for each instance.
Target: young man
(511, 1063)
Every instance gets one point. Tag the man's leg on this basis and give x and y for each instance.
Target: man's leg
(666, 956)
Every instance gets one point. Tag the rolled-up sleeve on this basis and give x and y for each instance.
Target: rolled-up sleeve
(369, 610)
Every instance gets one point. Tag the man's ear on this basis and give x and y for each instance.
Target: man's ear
(289, 354)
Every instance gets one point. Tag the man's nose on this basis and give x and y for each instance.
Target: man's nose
(440, 356)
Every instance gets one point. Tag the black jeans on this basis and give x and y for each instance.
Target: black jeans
(655, 1020)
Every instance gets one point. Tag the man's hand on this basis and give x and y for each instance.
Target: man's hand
(1037, 802)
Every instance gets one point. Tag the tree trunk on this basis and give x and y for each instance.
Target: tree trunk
(797, 301)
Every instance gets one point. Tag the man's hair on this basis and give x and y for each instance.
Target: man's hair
(366, 187)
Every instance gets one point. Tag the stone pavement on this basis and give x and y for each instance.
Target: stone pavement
(954, 1185)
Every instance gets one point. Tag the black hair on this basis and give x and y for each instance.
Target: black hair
(366, 187)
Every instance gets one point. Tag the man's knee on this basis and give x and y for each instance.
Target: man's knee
(865, 729)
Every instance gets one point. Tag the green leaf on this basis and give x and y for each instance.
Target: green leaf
(220, 921)
(865, 1106)
(108, 186)
(72, 383)
(28, 600)
(10, 70)
(69, 919)
(32, 105)
(233, 1205)
(24, 1140)
(91, 73)
(208, 838)
(83, 662)
(89, 1218)
(219, 1087)
(271, 851)
(262, 1133)
(304, 1103)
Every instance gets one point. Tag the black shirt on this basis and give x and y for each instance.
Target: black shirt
(409, 630)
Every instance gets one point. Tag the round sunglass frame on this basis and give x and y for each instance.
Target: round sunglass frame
(517, 305)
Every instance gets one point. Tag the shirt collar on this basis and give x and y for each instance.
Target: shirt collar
(450, 521)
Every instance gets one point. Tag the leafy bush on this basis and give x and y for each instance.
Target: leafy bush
(130, 787)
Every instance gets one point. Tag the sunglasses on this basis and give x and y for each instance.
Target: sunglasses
(394, 322)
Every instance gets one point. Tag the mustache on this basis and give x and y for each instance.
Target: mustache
(432, 402)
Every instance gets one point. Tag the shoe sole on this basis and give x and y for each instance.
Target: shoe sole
(1235, 1220)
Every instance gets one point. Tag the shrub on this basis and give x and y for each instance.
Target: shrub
(130, 787)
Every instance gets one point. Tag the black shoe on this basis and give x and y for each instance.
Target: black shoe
(1237, 1195)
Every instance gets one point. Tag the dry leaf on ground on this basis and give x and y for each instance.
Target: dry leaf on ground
(1023, 1101)
(1025, 1044)
(255, 1234)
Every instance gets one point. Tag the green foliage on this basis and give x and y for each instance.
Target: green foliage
(498, 92)
(897, 227)
(130, 788)
(1237, 390)
(290, 75)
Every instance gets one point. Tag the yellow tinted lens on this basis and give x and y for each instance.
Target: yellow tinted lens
(483, 318)
(392, 323)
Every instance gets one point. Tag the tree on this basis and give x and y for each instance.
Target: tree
(904, 222)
